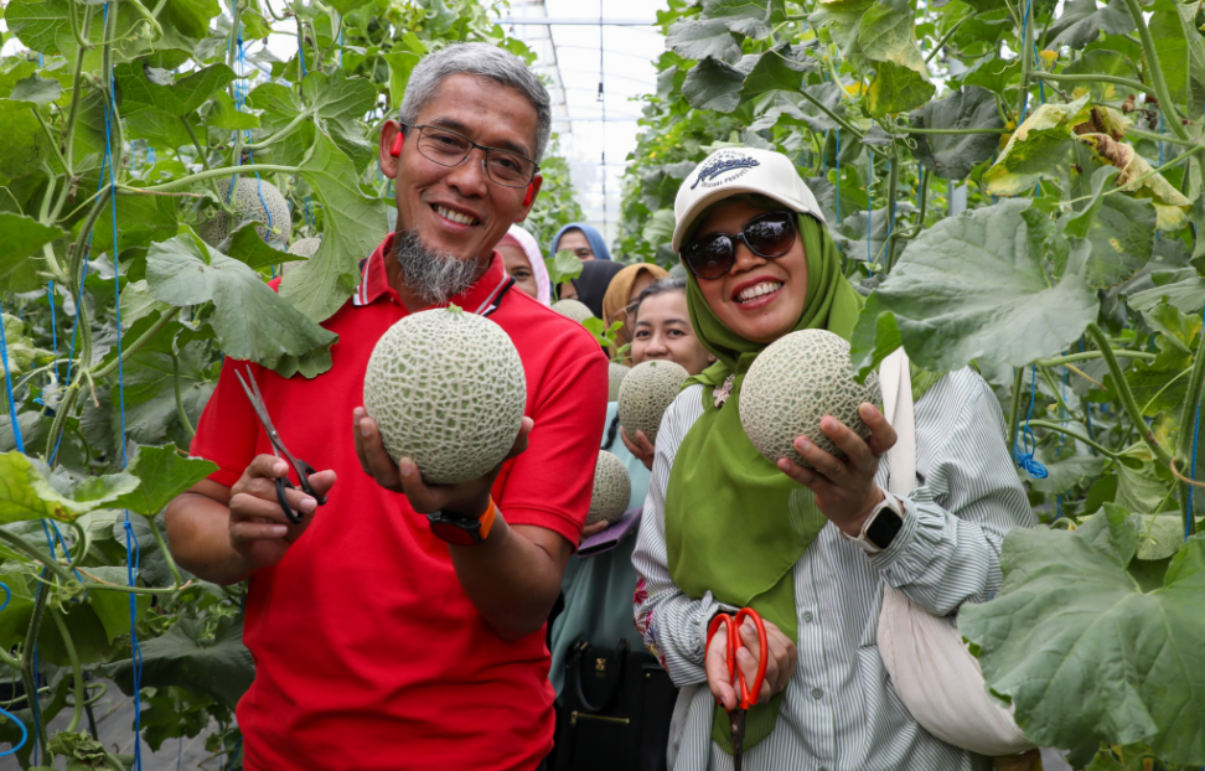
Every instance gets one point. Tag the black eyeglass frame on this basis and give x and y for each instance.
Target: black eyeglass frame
(485, 149)
(693, 248)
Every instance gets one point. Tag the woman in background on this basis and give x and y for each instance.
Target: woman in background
(622, 292)
(591, 284)
(523, 262)
(583, 240)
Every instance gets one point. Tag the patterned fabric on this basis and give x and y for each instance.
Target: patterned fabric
(839, 710)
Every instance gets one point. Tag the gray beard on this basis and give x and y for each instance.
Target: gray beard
(434, 277)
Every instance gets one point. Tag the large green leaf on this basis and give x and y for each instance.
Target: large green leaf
(694, 39)
(954, 155)
(177, 96)
(1037, 150)
(1084, 654)
(165, 473)
(353, 225)
(250, 320)
(713, 85)
(896, 88)
(181, 656)
(886, 34)
(976, 286)
(747, 17)
(23, 238)
(780, 68)
(1083, 20)
(27, 491)
(1181, 49)
(839, 19)
(24, 145)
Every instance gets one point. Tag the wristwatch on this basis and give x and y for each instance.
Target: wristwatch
(462, 530)
(881, 527)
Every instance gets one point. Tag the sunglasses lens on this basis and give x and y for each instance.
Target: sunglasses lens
(770, 236)
(711, 258)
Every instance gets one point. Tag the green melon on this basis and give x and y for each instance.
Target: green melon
(612, 488)
(246, 206)
(796, 381)
(616, 372)
(573, 309)
(447, 389)
(647, 390)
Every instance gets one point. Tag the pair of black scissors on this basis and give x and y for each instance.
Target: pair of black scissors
(747, 694)
(303, 469)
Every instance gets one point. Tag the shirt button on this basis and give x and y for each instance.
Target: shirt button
(817, 693)
(807, 616)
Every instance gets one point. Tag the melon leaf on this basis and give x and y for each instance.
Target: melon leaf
(1084, 653)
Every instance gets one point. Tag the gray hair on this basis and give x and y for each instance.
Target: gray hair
(487, 61)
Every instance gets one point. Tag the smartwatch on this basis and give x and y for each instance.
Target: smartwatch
(461, 530)
(881, 527)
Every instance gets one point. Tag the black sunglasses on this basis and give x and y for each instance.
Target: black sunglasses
(768, 235)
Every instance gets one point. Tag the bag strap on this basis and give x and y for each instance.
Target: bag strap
(895, 382)
(581, 660)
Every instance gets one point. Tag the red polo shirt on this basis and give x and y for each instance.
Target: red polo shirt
(368, 653)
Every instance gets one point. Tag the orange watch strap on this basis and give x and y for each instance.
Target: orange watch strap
(486, 520)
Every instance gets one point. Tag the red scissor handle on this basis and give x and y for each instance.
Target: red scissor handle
(736, 677)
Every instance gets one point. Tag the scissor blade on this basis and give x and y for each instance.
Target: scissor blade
(736, 721)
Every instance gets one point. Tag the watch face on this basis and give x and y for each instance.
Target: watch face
(884, 527)
(459, 532)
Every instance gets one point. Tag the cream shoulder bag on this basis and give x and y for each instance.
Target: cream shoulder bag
(932, 670)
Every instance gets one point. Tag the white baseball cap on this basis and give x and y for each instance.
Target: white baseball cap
(734, 170)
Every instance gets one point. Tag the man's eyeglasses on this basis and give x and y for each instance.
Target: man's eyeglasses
(450, 148)
(769, 236)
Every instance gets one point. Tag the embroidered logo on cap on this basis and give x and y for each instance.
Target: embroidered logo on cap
(734, 162)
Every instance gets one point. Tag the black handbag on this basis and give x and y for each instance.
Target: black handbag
(614, 711)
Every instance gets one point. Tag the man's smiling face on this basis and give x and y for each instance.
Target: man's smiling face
(459, 211)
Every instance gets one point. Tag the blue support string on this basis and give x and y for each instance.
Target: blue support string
(1192, 468)
(1024, 455)
(8, 385)
(8, 595)
(1024, 28)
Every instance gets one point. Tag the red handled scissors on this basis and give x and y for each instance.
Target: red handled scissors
(303, 469)
(748, 694)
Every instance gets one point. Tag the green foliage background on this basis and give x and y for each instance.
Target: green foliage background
(1071, 278)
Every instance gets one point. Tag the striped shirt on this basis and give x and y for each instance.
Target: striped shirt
(840, 710)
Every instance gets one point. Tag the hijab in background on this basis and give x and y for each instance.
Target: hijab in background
(598, 244)
(527, 242)
(735, 524)
(591, 284)
(619, 294)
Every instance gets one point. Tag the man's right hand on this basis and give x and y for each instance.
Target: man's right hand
(259, 530)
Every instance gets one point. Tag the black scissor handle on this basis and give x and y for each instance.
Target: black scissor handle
(304, 470)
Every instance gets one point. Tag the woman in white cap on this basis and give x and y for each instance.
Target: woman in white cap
(724, 528)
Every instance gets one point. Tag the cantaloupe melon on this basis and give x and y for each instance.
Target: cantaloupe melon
(796, 381)
(616, 372)
(251, 200)
(612, 488)
(446, 387)
(573, 309)
(647, 390)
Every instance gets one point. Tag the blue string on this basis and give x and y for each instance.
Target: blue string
(1024, 27)
(8, 595)
(8, 385)
(1024, 455)
(1192, 468)
(301, 51)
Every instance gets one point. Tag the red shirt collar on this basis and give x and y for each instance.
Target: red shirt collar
(478, 298)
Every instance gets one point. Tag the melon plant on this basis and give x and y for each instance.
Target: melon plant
(647, 390)
(305, 247)
(446, 387)
(573, 309)
(796, 381)
(612, 488)
(616, 372)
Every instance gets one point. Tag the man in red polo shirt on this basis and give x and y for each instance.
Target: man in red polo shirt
(383, 639)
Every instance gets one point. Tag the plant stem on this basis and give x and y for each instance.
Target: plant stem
(297, 121)
(892, 188)
(832, 115)
(180, 413)
(1053, 426)
(1126, 396)
(1137, 85)
(28, 675)
(1014, 411)
(20, 544)
(60, 417)
(953, 132)
(1143, 134)
(1156, 70)
(77, 673)
(1188, 419)
(167, 553)
(225, 171)
(129, 350)
(1058, 361)
(202, 156)
(941, 43)
(1026, 61)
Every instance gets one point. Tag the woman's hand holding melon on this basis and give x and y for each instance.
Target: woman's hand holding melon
(845, 489)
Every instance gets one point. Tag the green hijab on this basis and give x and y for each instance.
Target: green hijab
(735, 525)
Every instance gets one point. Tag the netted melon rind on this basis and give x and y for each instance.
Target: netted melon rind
(247, 206)
(573, 309)
(447, 389)
(612, 489)
(615, 373)
(647, 390)
(796, 381)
